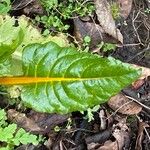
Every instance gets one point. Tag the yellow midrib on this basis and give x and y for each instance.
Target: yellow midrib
(29, 80)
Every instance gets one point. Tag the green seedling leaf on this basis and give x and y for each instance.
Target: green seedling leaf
(24, 138)
(5, 68)
(3, 117)
(6, 133)
(5, 6)
(64, 80)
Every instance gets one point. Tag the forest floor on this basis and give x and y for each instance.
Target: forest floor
(115, 125)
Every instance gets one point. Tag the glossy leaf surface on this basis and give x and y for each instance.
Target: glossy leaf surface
(64, 80)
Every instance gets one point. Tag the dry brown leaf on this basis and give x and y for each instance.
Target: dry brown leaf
(137, 84)
(38, 123)
(95, 31)
(46, 120)
(103, 121)
(100, 137)
(92, 146)
(123, 105)
(84, 28)
(140, 136)
(106, 20)
(22, 121)
(121, 134)
(109, 145)
(125, 7)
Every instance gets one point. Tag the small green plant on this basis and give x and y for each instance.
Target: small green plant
(60, 11)
(86, 43)
(90, 112)
(5, 6)
(115, 10)
(10, 136)
(67, 127)
(147, 10)
(106, 46)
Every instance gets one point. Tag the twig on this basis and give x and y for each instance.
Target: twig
(133, 99)
(133, 21)
(134, 44)
(141, 52)
(147, 133)
(21, 5)
(97, 28)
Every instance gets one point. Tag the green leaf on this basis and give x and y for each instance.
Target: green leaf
(4, 6)
(10, 37)
(24, 138)
(15, 38)
(64, 80)
(5, 68)
(3, 118)
(6, 133)
(33, 35)
(5, 148)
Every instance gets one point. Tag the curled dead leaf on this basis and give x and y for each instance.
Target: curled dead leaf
(106, 20)
(123, 105)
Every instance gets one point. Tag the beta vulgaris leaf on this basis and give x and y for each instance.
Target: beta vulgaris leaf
(64, 80)
(10, 37)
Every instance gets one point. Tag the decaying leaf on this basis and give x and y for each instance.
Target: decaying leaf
(103, 121)
(106, 20)
(98, 137)
(123, 105)
(109, 145)
(140, 136)
(91, 29)
(121, 133)
(22, 121)
(37, 123)
(47, 121)
(84, 28)
(137, 84)
(125, 7)
(92, 146)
